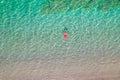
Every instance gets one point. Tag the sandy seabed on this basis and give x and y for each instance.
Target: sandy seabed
(59, 70)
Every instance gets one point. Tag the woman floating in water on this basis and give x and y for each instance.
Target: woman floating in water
(65, 34)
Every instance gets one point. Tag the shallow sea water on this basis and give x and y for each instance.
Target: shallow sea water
(32, 44)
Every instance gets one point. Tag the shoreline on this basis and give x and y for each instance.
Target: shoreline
(59, 70)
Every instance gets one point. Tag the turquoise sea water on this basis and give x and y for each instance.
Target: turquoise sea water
(27, 33)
